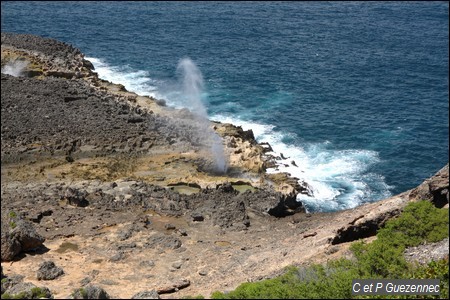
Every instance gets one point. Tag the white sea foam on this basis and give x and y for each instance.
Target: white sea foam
(339, 179)
(138, 81)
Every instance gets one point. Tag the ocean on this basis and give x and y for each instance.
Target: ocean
(356, 93)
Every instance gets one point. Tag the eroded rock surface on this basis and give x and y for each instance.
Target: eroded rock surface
(122, 185)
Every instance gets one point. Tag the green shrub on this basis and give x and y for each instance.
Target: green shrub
(38, 293)
(419, 222)
(383, 258)
(12, 224)
(194, 297)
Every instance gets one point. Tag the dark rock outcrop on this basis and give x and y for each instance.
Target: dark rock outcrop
(90, 292)
(49, 271)
(355, 231)
(17, 289)
(18, 235)
(10, 281)
(434, 189)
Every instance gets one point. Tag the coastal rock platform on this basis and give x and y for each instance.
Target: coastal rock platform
(122, 193)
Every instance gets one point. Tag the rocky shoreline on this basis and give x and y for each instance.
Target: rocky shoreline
(115, 192)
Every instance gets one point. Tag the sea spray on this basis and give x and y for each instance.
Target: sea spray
(15, 68)
(193, 87)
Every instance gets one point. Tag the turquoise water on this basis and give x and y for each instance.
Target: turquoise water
(355, 92)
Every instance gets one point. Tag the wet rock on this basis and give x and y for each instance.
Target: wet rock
(49, 271)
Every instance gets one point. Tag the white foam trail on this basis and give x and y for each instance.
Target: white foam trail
(336, 177)
(15, 68)
(139, 81)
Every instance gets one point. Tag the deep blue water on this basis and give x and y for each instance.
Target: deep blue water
(355, 92)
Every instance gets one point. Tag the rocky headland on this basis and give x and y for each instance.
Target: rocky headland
(106, 193)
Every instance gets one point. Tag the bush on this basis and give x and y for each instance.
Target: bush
(383, 258)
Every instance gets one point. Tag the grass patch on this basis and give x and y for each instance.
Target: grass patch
(34, 293)
(113, 168)
(67, 246)
(383, 258)
(12, 224)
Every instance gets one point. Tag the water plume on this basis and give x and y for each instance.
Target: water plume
(15, 68)
(193, 87)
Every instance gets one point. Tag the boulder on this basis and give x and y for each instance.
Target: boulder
(48, 271)
(76, 197)
(10, 281)
(18, 235)
(10, 246)
(27, 290)
(90, 292)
